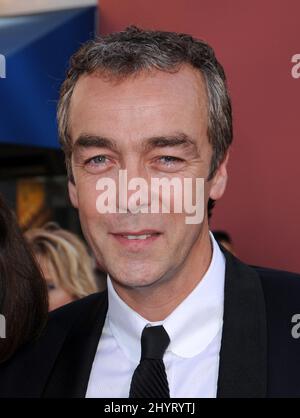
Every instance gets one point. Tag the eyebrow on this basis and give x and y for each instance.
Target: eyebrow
(177, 140)
(89, 141)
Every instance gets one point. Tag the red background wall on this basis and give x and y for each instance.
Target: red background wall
(255, 42)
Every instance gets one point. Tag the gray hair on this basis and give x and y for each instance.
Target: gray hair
(134, 50)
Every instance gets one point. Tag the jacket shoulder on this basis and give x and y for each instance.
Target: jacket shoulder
(282, 283)
(282, 303)
(61, 320)
(67, 314)
(274, 274)
(16, 374)
(282, 294)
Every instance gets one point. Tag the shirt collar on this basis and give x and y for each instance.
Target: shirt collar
(191, 326)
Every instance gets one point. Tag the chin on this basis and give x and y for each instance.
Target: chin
(135, 277)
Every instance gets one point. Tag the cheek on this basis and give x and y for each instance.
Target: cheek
(87, 198)
(175, 228)
(180, 232)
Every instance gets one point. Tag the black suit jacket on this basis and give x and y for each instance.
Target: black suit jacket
(259, 356)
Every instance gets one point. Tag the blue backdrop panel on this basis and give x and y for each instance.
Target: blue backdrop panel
(37, 50)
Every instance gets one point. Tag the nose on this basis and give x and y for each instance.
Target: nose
(133, 187)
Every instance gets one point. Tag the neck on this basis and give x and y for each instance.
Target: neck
(156, 302)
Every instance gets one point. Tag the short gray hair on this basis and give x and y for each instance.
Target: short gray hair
(121, 54)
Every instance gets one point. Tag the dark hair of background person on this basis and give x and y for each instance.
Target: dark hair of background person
(222, 236)
(225, 240)
(23, 291)
(120, 55)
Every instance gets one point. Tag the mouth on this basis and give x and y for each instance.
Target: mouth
(136, 239)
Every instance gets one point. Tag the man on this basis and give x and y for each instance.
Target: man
(181, 317)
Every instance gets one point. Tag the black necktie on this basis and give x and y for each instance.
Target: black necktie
(149, 379)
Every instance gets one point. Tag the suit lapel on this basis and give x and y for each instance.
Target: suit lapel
(243, 356)
(70, 375)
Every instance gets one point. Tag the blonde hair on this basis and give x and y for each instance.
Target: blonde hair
(68, 256)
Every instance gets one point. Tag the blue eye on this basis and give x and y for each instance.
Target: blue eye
(98, 164)
(168, 160)
(98, 160)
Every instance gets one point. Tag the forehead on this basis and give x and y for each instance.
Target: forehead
(149, 101)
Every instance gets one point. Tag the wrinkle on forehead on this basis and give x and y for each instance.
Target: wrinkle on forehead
(138, 90)
(180, 91)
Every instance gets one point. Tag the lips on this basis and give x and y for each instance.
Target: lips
(136, 238)
(145, 236)
(142, 234)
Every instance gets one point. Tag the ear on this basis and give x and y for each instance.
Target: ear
(219, 181)
(73, 193)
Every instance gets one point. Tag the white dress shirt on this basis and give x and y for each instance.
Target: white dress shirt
(195, 331)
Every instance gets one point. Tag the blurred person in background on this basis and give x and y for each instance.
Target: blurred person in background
(23, 294)
(65, 264)
(98, 270)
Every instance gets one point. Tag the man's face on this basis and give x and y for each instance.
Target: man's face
(152, 125)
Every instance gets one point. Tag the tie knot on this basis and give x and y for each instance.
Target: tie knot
(155, 341)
